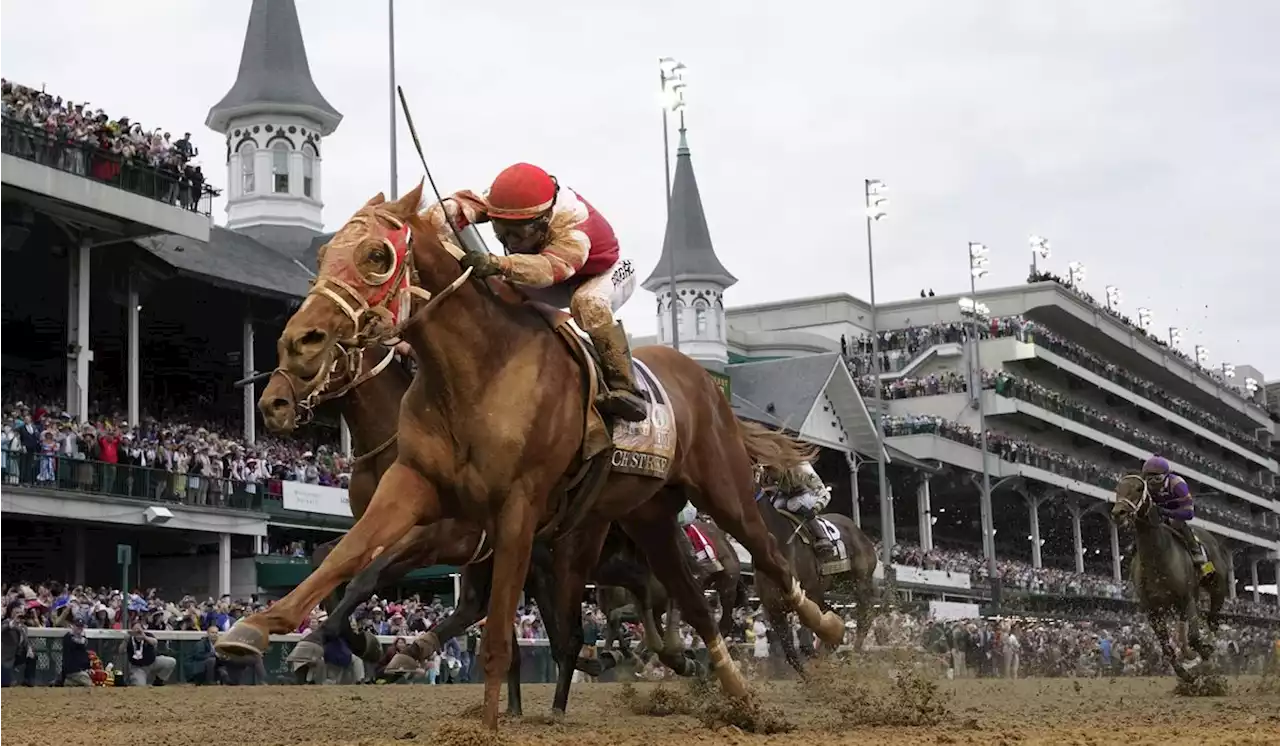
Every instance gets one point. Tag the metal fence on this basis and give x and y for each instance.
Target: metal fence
(57, 472)
(86, 159)
(536, 664)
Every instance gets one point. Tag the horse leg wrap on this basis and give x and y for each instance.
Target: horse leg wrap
(827, 625)
(725, 669)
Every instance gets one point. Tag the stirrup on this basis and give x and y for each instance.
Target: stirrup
(623, 404)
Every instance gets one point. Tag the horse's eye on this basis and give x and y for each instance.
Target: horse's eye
(380, 259)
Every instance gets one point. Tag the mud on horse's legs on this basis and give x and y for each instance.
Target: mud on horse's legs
(513, 543)
(403, 499)
(655, 532)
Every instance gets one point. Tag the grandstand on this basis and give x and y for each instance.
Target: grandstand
(127, 316)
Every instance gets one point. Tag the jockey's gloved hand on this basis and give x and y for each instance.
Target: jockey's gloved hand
(482, 264)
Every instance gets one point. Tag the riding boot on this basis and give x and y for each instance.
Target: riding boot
(622, 398)
(1198, 554)
(821, 542)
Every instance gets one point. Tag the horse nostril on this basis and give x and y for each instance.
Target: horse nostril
(279, 404)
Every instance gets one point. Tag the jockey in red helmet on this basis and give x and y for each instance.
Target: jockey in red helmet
(556, 241)
(1172, 496)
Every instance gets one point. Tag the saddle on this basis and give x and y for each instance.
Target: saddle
(841, 563)
(638, 448)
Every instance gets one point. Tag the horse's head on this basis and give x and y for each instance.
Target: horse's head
(363, 291)
(1133, 499)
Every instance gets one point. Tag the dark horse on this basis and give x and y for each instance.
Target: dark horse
(650, 606)
(493, 431)
(1166, 579)
(804, 562)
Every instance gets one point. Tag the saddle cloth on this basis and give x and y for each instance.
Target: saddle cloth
(840, 563)
(646, 448)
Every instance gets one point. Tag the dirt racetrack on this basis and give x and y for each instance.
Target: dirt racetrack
(1035, 711)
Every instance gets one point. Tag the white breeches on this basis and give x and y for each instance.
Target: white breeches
(594, 302)
(803, 503)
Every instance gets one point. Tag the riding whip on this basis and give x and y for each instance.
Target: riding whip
(417, 145)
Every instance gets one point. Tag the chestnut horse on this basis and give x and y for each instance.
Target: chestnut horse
(492, 430)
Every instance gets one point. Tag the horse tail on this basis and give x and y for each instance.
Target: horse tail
(774, 449)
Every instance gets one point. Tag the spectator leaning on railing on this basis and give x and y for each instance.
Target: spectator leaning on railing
(76, 138)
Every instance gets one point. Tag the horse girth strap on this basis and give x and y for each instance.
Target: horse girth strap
(374, 453)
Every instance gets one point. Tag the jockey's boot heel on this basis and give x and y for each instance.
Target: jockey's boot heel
(622, 399)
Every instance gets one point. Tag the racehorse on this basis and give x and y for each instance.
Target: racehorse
(1166, 579)
(366, 385)
(805, 562)
(496, 429)
(369, 400)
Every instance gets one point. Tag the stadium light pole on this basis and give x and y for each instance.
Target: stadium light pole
(1228, 371)
(1040, 249)
(1075, 275)
(876, 201)
(1175, 337)
(1144, 319)
(671, 80)
(391, 96)
(1202, 355)
(1113, 298)
(978, 268)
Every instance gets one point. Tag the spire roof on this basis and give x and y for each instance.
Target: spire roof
(274, 75)
(687, 233)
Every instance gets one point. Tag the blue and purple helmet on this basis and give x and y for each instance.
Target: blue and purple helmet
(1156, 465)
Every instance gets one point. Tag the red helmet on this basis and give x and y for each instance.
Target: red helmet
(521, 192)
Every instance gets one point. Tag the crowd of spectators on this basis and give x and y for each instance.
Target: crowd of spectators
(1006, 384)
(1158, 340)
(899, 347)
(182, 459)
(81, 139)
(1022, 451)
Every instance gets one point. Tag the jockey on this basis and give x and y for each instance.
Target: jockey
(555, 238)
(802, 492)
(1172, 496)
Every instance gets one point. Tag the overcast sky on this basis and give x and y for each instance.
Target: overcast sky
(1141, 137)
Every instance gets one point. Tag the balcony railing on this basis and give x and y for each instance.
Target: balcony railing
(69, 474)
(86, 159)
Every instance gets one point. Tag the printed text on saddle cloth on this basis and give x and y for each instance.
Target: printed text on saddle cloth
(646, 448)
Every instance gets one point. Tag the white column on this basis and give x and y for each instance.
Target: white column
(924, 506)
(247, 369)
(1275, 566)
(224, 564)
(888, 524)
(1033, 515)
(295, 173)
(78, 353)
(80, 550)
(1253, 578)
(1230, 557)
(457, 590)
(133, 351)
(855, 504)
(263, 179)
(1077, 537)
(1115, 552)
(344, 437)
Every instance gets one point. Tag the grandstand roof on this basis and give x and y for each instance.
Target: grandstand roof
(233, 259)
(274, 74)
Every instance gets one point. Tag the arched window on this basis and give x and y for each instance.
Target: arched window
(308, 168)
(247, 151)
(280, 167)
(679, 314)
(700, 314)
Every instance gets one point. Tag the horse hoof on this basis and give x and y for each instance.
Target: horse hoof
(243, 641)
(831, 629)
(402, 664)
(590, 667)
(608, 659)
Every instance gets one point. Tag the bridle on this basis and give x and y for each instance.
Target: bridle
(378, 320)
(1143, 501)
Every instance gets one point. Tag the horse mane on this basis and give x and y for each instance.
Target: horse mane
(774, 449)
